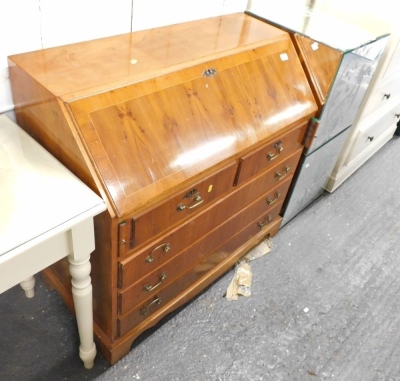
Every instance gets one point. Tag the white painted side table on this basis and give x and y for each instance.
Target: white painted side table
(46, 213)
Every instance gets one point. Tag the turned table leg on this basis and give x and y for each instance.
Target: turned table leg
(28, 285)
(82, 295)
(82, 244)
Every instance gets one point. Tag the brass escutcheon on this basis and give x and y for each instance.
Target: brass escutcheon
(209, 72)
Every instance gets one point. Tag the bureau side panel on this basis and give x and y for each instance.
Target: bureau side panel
(40, 114)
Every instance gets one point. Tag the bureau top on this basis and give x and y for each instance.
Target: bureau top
(93, 66)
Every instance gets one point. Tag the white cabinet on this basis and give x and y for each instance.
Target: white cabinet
(377, 117)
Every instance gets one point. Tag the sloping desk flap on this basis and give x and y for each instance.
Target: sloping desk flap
(154, 140)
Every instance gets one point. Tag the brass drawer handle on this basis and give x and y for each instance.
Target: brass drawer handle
(165, 246)
(278, 146)
(270, 201)
(280, 175)
(149, 288)
(145, 309)
(198, 200)
(265, 222)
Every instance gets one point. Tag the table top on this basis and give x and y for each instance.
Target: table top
(37, 193)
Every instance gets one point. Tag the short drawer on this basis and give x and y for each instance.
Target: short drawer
(369, 135)
(270, 153)
(201, 269)
(165, 274)
(140, 228)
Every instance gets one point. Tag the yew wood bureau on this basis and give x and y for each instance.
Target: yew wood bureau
(190, 133)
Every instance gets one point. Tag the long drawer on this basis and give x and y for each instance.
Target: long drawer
(270, 153)
(164, 295)
(166, 273)
(138, 229)
(133, 268)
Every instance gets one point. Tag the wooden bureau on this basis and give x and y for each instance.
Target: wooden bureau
(190, 133)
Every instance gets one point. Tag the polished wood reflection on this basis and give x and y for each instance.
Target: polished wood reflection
(321, 63)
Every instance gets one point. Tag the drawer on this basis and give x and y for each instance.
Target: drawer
(165, 274)
(158, 300)
(140, 228)
(170, 244)
(385, 93)
(370, 134)
(270, 153)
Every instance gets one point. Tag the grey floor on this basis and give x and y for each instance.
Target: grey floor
(325, 305)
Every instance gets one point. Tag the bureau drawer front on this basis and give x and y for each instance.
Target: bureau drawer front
(200, 269)
(387, 91)
(270, 153)
(368, 136)
(131, 269)
(178, 208)
(166, 273)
